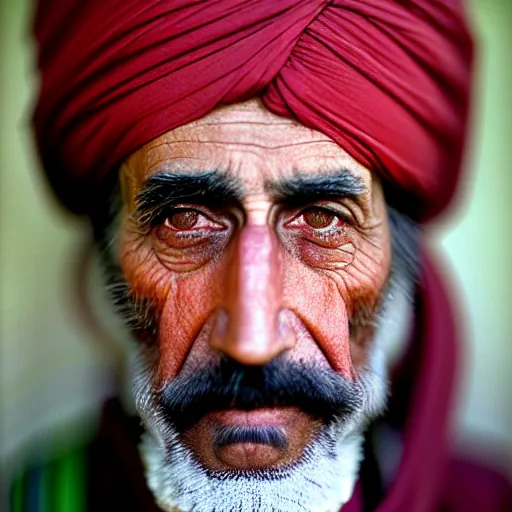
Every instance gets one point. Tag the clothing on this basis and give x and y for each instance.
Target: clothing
(428, 478)
(388, 81)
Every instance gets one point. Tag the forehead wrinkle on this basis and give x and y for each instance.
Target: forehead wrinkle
(173, 165)
(245, 128)
(241, 143)
(251, 126)
(183, 146)
(224, 123)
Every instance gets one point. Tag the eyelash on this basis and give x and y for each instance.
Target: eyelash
(343, 216)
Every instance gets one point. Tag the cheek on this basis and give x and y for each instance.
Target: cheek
(191, 300)
(324, 298)
(316, 300)
(183, 301)
(364, 278)
(146, 277)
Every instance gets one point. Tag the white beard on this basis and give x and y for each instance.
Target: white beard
(179, 483)
(321, 481)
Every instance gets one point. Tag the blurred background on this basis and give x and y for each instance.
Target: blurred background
(54, 373)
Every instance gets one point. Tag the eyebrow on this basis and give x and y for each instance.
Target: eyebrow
(166, 189)
(301, 189)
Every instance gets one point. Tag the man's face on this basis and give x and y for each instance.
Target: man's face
(255, 253)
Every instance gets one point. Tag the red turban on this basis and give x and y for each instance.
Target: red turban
(386, 80)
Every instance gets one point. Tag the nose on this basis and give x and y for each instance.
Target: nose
(249, 329)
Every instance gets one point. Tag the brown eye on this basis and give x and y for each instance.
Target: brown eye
(185, 219)
(318, 218)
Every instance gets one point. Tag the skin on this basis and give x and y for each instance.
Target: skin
(257, 278)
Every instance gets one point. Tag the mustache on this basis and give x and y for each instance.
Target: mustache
(318, 391)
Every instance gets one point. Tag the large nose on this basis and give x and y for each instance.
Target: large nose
(249, 329)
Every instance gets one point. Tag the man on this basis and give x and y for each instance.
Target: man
(255, 173)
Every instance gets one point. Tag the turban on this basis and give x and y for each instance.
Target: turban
(387, 80)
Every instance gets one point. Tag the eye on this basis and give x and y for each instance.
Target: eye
(188, 219)
(318, 218)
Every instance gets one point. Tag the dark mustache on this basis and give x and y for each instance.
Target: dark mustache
(318, 391)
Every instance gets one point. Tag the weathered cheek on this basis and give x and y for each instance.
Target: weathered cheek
(190, 302)
(144, 274)
(317, 301)
(365, 277)
(325, 299)
(182, 301)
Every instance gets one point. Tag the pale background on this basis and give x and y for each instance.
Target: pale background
(53, 372)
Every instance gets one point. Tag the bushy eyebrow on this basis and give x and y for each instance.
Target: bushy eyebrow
(301, 189)
(166, 189)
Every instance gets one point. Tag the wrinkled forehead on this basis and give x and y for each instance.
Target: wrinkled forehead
(247, 142)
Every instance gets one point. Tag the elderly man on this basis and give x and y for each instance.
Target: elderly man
(255, 173)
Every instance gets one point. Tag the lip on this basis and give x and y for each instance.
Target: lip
(296, 426)
(261, 417)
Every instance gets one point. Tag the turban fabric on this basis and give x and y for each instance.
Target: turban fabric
(387, 80)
